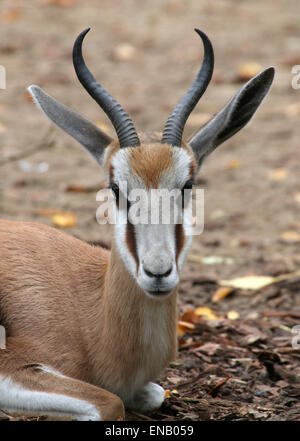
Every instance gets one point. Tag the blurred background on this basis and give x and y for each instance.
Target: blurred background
(147, 54)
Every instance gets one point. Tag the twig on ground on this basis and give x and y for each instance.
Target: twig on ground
(46, 142)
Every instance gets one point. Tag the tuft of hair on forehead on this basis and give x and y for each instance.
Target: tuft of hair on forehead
(150, 161)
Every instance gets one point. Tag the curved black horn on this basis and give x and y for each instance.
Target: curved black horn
(174, 127)
(120, 119)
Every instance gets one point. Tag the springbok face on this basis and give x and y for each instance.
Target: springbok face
(153, 252)
(152, 248)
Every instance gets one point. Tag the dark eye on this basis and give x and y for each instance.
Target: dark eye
(115, 189)
(188, 185)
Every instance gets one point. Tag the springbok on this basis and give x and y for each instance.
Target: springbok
(88, 329)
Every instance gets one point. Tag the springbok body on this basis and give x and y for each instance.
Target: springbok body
(88, 329)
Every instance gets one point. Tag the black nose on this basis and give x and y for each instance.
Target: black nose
(158, 275)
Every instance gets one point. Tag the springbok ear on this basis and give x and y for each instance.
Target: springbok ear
(233, 117)
(86, 133)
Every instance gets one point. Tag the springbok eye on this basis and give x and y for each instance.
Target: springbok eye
(188, 185)
(116, 191)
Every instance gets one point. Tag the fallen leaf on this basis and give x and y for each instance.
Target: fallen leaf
(217, 214)
(290, 236)
(233, 164)
(247, 71)
(252, 338)
(292, 110)
(217, 260)
(77, 189)
(64, 220)
(174, 379)
(297, 197)
(208, 348)
(210, 260)
(124, 52)
(184, 327)
(221, 293)
(11, 15)
(2, 128)
(195, 258)
(278, 174)
(248, 282)
(167, 393)
(205, 312)
(74, 188)
(233, 315)
(63, 3)
(190, 317)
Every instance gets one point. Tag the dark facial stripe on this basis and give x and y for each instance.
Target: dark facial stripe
(192, 169)
(131, 242)
(179, 239)
(111, 173)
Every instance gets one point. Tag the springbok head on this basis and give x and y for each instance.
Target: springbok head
(154, 253)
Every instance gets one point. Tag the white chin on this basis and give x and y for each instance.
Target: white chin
(157, 291)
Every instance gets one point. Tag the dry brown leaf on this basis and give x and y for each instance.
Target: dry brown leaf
(2, 128)
(63, 3)
(233, 164)
(184, 327)
(73, 188)
(11, 15)
(167, 393)
(78, 188)
(195, 258)
(210, 260)
(205, 312)
(221, 293)
(252, 283)
(279, 174)
(247, 71)
(233, 315)
(297, 197)
(190, 317)
(124, 52)
(292, 110)
(290, 236)
(64, 220)
(209, 348)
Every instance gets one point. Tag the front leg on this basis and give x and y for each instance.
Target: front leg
(147, 399)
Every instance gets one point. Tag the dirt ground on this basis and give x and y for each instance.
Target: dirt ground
(227, 369)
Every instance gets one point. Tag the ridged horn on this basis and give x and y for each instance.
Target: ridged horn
(121, 121)
(174, 127)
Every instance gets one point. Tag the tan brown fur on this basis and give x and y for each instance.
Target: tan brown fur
(150, 161)
(74, 307)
